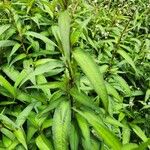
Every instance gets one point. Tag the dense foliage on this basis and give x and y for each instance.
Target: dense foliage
(74, 74)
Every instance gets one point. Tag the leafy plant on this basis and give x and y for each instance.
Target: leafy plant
(74, 75)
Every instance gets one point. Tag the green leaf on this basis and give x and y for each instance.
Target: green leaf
(64, 28)
(7, 133)
(41, 37)
(139, 132)
(42, 80)
(112, 91)
(83, 99)
(143, 145)
(43, 143)
(61, 125)
(30, 132)
(11, 72)
(14, 49)
(43, 68)
(20, 135)
(126, 132)
(147, 95)
(91, 70)
(122, 83)
(52, 106)
(127, 58)
(84, 126)
(103, 132)
(17, 58)
(129, 146)
(7, 121)
(74, 138)
(6, 43)
(21, 118)
(7, 86)
(3, 28)
(113, 121)
(13, 145)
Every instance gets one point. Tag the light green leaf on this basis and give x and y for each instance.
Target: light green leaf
(139, 132)
(112, 91)
(20, 135)
(43, 68)
(7, 86)
(102, 131)
(43, 143)
(17, 58)
(64, 28)
(84, 126)
(83, 99)
(91, 70)
(129, 146)
(7, 133)
(122, 83)
(6, 43)
(113, 121)
(126, 132)
(143, 145)
(10, 72)
(147, 95)
(7, 121)
(41, 37)
(74, 138)
(14, 49)
(127, 58)
(21, 118)
(3, 28)
(61, 125)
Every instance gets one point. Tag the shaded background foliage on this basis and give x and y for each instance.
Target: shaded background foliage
(35, 76)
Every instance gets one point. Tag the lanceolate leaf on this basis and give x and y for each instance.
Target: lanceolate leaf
(83, 99)
(91, 70)
(64, 28)
(74, 137)
(41, 37)
(6, 43)
(61, 125)
(3, 28)
(127, 58)
(122, 83)
(139, 132)
(103, 132)
(43, 143)
(20, 135)
(23, 115)
(112, 91)
(7, 86)
(84, 126)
